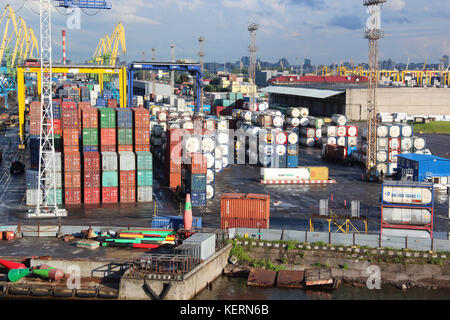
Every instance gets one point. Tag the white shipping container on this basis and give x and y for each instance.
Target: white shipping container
(57, 160)
(209, 160)
(411, 216)
(342, 141)
(144, 194)
(109, 161)
(419, 143)
(285, 174)
(382, 156)
(406, 195)
(352, 141)
(59, 180)
(209, 192)
(407, 131)
(407, 143)
(33, 196)
(382, 131)
(329, 131)
(394, 131)
(127, 161)
(208, 144)
(210, 176)
(382, 144)
(192, 144)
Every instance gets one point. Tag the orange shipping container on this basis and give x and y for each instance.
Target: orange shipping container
(71, 137)
(72, 161)
(226, 223)
(142, 136)
(245, 206)
(127, 194)
(72, 179)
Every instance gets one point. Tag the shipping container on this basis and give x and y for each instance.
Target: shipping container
(127, 194)
(90, 137)
(72, 179)
(206, 242)
(70, 119)
(108, 137)
(72, 161)
(109, 161)
(144, 161)
(72, 195)
(125, 136)
(141, 118)
(110, 179)
(110, 195)
(127, 178)
(174, 222)
(124, 118)
(248, 206)
(227, 223)
(92, 179)
(409, 216)
(59, 198)
(144, 178)
(71, 137)
(127, 161)
(144, 194)
(407, 193)
(89, 118)
(107, 118)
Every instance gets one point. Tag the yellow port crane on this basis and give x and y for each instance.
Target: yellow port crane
(108, 47)
(11, 17)
(26, 43)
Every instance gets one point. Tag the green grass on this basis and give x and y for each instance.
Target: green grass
(240, 254)
(432, 127)
(267, 265)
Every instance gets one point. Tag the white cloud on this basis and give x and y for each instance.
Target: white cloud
(396, 5)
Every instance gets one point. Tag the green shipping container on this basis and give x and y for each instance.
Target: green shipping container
(107, 117)
(90, 137)
(58, 142)
(110, 179)
(145, 178)
(232, 96)
(225, 102)
(125, 136)
(59, 198)
(239, 96)
(144, 160)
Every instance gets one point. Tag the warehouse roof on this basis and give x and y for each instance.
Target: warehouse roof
(302, 92)
(421, 157)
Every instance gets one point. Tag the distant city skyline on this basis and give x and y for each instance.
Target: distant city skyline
(325, 31)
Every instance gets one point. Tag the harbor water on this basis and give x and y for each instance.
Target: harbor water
(228, 288)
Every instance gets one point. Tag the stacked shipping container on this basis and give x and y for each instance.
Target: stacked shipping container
(244, 211)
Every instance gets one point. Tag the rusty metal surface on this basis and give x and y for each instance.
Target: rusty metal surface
(290, 279)
(261, 278)
(164, 264)
(318, 276)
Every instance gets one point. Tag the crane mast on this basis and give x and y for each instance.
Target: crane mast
(373, 34)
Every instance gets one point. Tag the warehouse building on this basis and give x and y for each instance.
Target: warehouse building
(351, 99)
(423, 167)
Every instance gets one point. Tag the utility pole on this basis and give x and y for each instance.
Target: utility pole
(201, 55)
(153, 75)
(373, 34)
(252, 28)
(172, 59)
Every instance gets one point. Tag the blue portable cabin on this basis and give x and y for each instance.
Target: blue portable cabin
(424, 166)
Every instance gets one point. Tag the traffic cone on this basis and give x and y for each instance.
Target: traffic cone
(187, 218)
(12, 265)
(17, 274)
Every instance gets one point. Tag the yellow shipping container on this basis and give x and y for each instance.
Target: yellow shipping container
(319, 173)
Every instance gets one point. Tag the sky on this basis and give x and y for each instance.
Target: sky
(325, 31)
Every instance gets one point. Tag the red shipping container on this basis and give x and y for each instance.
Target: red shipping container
(141, 118)
(72, 161)
(71, 137)
(89, 118)
(110, 195)
(71, 149)
(72, 196)
(92, 179)
(84, 105)
(35, 127)
(245, 206)
(127, 194)
(107, 137)
(35, 109)
(68, 105)
(141, 147)
(127, 178)
(108, 149)
(72, 179)
(125, 148)
(92, 195)
(175, 180)
(226, 223)
(142, 136)
(112, 103)
(70, 119)
(198, 164)
(56, 126)
(91, 161)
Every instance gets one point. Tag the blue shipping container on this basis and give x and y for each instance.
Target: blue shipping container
(32, 179)
(174, 222)
(124, 118)
(90, 148)
(424, 165)
(195, 181)
(292, 161)
(56, 108)
(198, 198)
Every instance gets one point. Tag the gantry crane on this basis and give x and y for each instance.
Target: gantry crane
(108, 47)
(47, 201)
